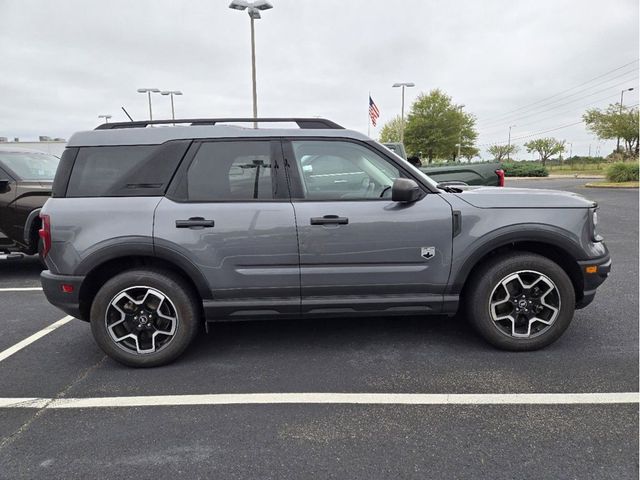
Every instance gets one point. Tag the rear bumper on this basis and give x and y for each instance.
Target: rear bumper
(67, 302)
(593, 280)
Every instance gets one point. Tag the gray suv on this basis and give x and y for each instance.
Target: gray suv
(153, 230)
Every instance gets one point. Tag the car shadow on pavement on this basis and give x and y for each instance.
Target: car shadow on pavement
(338, 334)
(25, 270)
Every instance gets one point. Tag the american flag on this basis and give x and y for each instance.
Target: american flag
(374, 113)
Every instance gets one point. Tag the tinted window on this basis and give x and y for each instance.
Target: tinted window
(231, 171)
(334, 170)
(132, 170)
(30, 166)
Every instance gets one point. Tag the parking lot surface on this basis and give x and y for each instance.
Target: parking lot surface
(598, 354)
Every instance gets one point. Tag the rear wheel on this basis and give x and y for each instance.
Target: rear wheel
(520, 301)
(144, 318)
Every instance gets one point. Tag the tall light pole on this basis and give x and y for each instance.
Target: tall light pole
(171, 93)
(509, 143)
(402, 84)
(253, 8)
(620, 111)
(149, 91)
(106, 118)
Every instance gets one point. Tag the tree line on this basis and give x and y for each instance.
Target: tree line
(438, 128)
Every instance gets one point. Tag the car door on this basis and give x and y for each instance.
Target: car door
(359, 251)
(229, 213)
(7, 205)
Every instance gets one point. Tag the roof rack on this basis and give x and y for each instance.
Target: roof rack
(303, 123)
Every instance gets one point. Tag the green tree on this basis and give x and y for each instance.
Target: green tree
(502, 152)
(435, 126)
(615, 122)
(546, 147)
(390, 132)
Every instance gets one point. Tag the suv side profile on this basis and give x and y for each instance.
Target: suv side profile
(152, 231)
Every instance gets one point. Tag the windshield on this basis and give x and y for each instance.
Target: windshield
(30, 165)
(413, 168)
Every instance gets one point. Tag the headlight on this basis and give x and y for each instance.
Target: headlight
(594, 224)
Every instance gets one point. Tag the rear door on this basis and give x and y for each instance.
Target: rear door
(7, 206)
(229, 213)
(359, 251)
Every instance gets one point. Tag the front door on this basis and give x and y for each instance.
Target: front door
(359, 251)
(228, 211)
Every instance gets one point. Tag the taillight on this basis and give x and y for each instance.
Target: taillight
(500, 174)
(45, 234)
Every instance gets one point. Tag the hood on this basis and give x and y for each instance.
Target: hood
(493, 197)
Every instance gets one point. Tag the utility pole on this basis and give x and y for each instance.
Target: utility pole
(620, 112)
(402, 84)
(509, 143)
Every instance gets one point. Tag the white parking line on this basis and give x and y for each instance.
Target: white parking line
(21, 289)
(29, 340)
(329, 398)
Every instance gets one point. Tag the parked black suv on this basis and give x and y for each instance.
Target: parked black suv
(26, 177)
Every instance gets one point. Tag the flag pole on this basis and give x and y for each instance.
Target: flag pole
(368, 115)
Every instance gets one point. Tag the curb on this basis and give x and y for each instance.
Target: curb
(609, 185)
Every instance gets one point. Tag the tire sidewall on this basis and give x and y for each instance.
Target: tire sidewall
(175, 290)
(478, 303)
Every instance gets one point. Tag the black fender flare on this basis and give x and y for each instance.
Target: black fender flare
(141, 246)
(28, 224)
(532, 233)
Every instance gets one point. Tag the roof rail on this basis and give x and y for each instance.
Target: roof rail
(303, 123)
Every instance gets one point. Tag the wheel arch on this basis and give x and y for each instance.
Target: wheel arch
(101, 272)
(554, 246)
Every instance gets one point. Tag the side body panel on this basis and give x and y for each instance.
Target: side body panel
(8, 207)
(249, 257)
(389, 257)
(84, 230)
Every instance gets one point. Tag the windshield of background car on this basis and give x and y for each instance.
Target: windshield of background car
(30, 166)
(415, 170)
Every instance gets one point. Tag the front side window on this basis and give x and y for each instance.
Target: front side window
(231, 170)
(30, 166)
(337, 170)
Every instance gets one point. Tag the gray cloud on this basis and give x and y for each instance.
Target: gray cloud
(65, 62)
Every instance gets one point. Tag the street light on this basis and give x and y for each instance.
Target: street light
(171, 93)
(509, 143)
(253, 9)
(106, 118)
(149, 91)
(402, 84)
(620, 111)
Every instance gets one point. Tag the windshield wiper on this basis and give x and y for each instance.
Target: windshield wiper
(449, 188)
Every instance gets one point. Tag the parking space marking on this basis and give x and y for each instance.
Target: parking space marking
(21, 289)
(328, 398)
(29, 340)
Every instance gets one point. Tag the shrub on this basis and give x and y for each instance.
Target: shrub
(524, 169)
(623, 172)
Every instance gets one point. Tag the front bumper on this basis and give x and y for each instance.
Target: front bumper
(593, 277)
(68, 302)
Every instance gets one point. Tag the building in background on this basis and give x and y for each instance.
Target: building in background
(54, 146)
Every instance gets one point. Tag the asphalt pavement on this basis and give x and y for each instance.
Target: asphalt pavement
(597, 354)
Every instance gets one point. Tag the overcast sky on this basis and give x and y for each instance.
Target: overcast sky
(65, 62)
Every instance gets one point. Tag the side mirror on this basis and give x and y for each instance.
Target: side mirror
(4, 185)
(405, 190)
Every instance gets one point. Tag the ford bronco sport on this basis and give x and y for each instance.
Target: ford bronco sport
(153, 230)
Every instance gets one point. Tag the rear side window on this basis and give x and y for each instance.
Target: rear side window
(231, 170)
(124, 171)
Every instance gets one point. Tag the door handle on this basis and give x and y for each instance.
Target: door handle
(195, 222)
(329, 220)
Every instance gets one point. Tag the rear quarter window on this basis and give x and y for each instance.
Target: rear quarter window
(124, 171)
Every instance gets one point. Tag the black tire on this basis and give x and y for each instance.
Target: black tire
(182, 305)
(486, 284)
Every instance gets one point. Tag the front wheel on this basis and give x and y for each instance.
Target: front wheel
(144, 318)
(520, 301)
